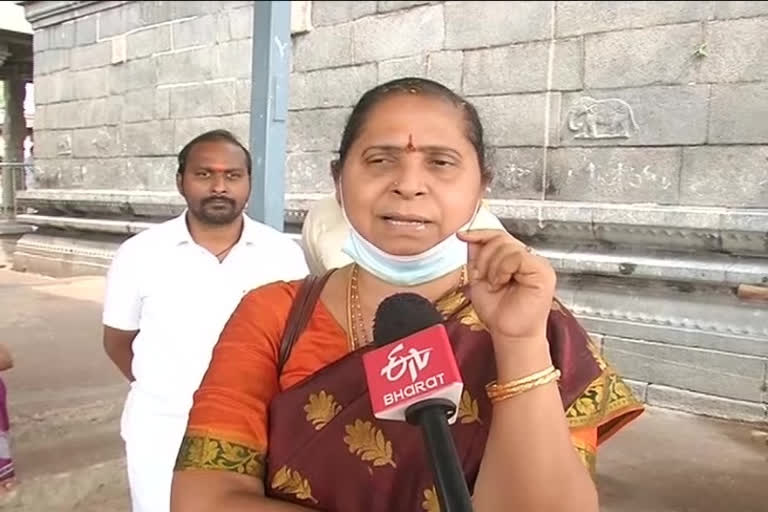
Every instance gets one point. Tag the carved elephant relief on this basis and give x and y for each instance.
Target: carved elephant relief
(611, 118)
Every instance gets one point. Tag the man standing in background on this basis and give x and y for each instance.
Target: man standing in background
(170, 291)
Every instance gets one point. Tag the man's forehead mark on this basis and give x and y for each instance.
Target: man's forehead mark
(410, 147)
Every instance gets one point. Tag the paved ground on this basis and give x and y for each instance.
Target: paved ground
(65, 397)
(66, 400)
(674, 462)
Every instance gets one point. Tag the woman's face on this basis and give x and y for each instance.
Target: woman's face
(411, 178)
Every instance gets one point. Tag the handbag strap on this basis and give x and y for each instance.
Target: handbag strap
(301, 311)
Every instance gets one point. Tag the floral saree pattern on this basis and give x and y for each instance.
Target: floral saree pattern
(316, 426)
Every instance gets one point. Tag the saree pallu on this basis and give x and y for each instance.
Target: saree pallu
(6, 462)
(328, 452)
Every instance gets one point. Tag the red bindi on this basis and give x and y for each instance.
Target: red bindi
(410, 147)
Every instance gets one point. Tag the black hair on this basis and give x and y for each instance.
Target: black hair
(212, 136)
(411, 85)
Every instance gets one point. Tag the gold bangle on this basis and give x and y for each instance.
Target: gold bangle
(493, 387)
(505, 395)
(499, 393)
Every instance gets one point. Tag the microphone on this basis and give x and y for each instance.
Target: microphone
(413, 376)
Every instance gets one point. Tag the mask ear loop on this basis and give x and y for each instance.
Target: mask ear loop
(468, 226)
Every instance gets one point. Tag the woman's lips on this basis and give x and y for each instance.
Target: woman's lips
(406, 222)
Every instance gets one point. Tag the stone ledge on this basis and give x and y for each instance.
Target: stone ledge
(10, 233)
(699, 403)
(668, 397)
(132, 204)
(701, 317)
(740, 231)
(102, 203)
(47, 13)
(711, 372)
(715, 268)
(118, 227)
(18, 228)
(63, 256)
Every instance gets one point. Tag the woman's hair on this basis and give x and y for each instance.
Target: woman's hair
(410, 85)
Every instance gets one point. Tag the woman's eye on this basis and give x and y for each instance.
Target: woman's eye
(439, 162)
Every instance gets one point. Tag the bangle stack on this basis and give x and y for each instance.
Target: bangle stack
(498, 392)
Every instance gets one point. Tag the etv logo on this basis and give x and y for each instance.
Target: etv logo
(414, 362)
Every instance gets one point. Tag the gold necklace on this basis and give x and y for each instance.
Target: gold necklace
(356, 332)
(355, 323)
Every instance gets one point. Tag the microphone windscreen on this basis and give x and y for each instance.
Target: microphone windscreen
(402, 314)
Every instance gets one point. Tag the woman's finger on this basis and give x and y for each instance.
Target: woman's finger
(475, 242)
(481, 254)
(480, 235)
(535, 272)
(505, 264)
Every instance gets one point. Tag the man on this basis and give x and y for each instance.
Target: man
(170, 291)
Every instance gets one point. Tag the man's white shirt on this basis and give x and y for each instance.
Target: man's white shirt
(179, 297)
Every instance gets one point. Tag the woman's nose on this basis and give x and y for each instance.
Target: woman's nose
(410, 180)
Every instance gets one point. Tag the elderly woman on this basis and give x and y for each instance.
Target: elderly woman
(282, 420)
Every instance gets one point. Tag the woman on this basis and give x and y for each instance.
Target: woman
(270, 433)
(7, 481)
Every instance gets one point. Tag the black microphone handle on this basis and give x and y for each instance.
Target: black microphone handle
(451, 486)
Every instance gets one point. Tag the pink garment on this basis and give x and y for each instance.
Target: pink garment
(6, 463)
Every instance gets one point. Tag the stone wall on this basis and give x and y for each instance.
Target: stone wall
(660, 102)
(120, 90)
(629, 142)
(678, 91)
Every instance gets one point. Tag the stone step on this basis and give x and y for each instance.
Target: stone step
(68, 453)
(40, 417)
(63, 449)
(96, 487)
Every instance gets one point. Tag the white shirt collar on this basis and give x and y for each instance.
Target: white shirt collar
(181, 235)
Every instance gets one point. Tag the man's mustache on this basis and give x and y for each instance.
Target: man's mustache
(209, 200)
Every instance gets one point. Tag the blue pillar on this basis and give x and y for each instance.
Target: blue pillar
(269, 108)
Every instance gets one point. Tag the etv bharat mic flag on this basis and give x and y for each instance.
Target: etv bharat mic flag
(410, 370)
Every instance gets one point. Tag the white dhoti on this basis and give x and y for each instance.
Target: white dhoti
(152, 441)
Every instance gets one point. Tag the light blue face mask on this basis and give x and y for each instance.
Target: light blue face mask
(411, 270)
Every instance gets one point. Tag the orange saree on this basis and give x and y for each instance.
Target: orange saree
(311, 426)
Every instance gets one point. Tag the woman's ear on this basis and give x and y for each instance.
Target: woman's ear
(336, 175)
